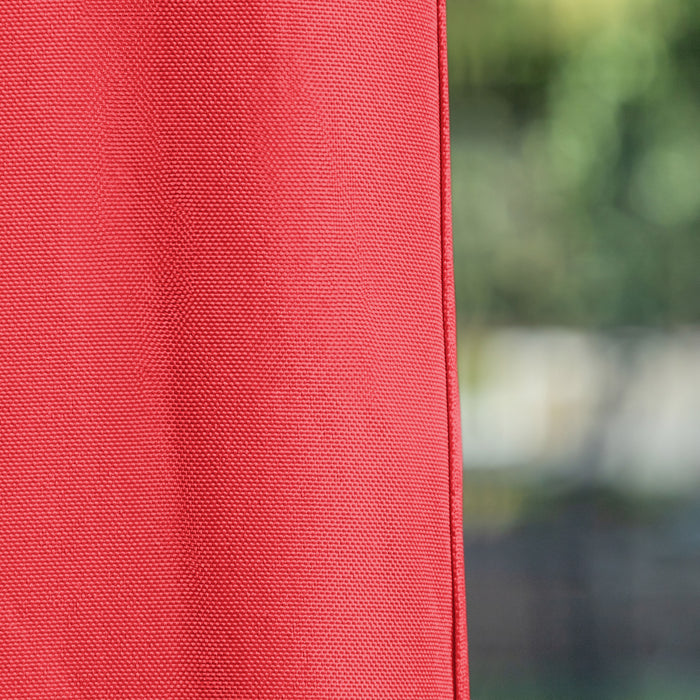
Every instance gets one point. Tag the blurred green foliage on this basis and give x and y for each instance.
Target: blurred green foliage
(576, 161)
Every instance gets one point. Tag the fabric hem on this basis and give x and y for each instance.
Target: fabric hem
(459, 631)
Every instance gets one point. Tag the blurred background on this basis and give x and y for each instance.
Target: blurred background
(576, 209)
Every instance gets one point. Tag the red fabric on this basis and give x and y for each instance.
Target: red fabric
(229, 438)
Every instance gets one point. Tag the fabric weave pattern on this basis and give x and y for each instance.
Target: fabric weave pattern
(229, 460)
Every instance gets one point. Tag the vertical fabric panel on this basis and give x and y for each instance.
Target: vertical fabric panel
(229, 435)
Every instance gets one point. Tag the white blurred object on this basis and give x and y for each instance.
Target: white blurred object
(625, 408)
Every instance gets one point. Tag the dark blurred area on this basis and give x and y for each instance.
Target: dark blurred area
(576, 210)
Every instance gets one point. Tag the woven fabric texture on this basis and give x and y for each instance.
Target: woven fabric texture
(229, 424)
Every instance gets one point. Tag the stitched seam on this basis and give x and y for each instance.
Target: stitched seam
(460, 683)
